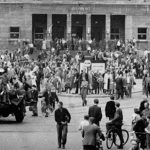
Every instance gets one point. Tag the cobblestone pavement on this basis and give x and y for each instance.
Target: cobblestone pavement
(39, 133)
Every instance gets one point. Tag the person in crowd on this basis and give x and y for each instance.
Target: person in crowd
(117, 121)
(84, 90)
(89, 134)
(135, 117)
(76, 81)
(147, 129)
(95, 111)
(62, 118)
(110, 108)
(119, 86)
(146, 111)
(84, 123)
(139, 129)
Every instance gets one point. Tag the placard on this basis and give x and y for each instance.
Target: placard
(98, 67)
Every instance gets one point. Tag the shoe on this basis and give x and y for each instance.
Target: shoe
(120, 147)
(46, 115)
(59, 146)
(63, 146)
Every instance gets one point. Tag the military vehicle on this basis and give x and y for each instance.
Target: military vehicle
(12, 102)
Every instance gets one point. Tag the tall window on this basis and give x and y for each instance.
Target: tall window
(14, 32)
(115, 34)
(142, 33)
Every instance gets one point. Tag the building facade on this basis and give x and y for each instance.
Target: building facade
(88, 19)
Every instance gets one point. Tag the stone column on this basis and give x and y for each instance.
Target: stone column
(88, 27)
(128, 27)
(68, 27)
(27, 27)
(107, 29)
(49, 26)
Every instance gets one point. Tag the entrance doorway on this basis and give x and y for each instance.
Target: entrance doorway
(79, 26)
(98, 27)
(39, 28)
(59, 26)
(118, 27)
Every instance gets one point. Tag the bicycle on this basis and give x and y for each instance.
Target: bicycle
(136, 142)
(112, 137)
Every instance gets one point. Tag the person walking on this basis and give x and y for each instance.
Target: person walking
(62, 118)
(89, 134)
(110, 108)
(84, 89)
(95, 111)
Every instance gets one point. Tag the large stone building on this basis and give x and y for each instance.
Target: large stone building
(88, 19)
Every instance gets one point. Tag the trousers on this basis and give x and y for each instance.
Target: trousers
(62, 131)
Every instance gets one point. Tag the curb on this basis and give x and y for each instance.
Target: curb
(90, 96)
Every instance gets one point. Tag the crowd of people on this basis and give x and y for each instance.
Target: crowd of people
(53, 71)
(56, 70)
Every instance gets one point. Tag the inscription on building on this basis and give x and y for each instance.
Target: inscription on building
(80, 9)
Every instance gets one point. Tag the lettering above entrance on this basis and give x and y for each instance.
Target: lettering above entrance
(80, 10)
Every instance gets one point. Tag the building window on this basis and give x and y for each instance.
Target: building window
(142, 33)
(14, 32)
(115, 34)
(39, 33)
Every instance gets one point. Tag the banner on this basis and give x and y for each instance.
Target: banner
(98, 67)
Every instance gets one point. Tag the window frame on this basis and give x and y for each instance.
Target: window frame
(14, 32)
(115, 34)
(141, 34)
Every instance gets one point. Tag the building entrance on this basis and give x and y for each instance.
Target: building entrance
(39, 27)
(59, 26)
(79, 26)
(98, 27)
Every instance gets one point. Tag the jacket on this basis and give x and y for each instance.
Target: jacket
(118, 118)
(110, 109)
(95, 111)
(62, 116)
(89, 134)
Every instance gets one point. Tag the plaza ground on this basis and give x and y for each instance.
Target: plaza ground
(39, 133)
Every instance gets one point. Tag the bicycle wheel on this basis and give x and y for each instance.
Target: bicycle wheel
(109, 139)
(125, 135)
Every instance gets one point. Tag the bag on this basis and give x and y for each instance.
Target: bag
(134, 83)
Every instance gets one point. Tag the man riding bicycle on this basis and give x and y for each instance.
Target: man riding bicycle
(117, 122)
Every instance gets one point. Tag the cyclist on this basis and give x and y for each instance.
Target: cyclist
(139, 129)
(117, 122)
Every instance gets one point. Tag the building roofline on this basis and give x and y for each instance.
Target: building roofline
(76, 2)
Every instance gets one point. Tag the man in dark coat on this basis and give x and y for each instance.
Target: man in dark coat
(117, 121)
(110, 108)
(95, 111)
(119, 86)
(62, 118)
(76, 81)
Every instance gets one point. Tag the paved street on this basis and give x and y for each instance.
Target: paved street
(37, 133)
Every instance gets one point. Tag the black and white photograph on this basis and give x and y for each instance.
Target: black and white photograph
(74, 74)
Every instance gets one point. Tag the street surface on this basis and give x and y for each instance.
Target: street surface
(39, 133)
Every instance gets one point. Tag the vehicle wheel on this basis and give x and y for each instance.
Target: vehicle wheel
(109, 139)
(125, 135)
